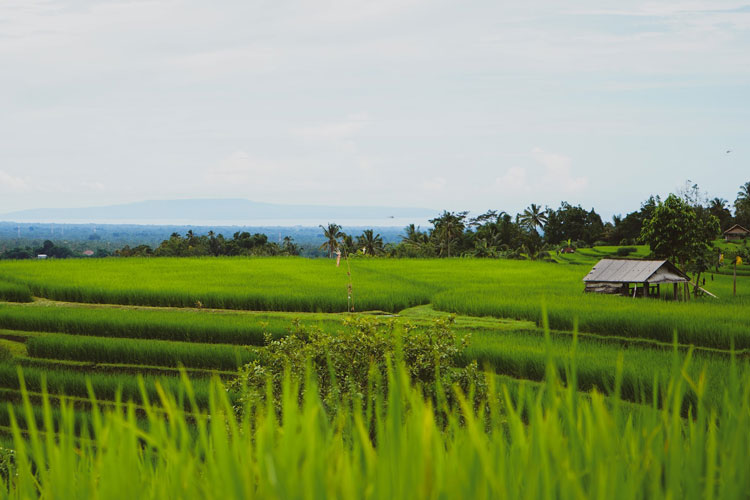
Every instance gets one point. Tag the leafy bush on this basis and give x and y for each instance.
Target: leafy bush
(352, 364)
(625, 251)
(600, 243)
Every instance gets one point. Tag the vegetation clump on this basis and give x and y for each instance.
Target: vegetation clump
(352, 363)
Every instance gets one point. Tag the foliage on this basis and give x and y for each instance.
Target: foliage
(370, 244)
(332, 233)
(573, 222)
(544, 441)
(347, 364)
(625, 251)
(449, 229)
(676, 232)
(742, 206)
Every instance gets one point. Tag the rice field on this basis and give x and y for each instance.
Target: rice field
(543, 442)
(122, 329)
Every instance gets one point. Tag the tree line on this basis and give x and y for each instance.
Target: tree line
(680, 227)
(211, 244)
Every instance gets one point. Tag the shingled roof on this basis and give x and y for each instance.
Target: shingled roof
(635, 271)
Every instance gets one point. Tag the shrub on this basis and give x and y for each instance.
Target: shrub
(625, 251)
(352, 364)
(600, 243)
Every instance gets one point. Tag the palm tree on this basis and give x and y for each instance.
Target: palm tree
(482, 248)
(332, 233)
(533, 217)
(347, 244)
(448, 227)
(742, 205)
(414, 237)
(370, 243)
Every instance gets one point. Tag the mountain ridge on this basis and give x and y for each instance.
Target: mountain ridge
(214, 209)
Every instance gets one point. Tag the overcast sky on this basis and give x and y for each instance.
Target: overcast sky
(438, 104)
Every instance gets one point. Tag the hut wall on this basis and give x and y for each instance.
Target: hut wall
(608, 288)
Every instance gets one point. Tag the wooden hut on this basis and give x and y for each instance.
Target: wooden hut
(736, 233)
(635, 278)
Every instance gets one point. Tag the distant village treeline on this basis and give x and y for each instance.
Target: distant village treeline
(532, 234)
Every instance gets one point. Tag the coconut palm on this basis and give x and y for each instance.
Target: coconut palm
(347, 244)
(448, 227)
(742, 205)
(332, 233)
(414, 237)
(370, 243)
(532, 217)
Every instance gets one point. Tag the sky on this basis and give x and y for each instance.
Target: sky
(439, 104)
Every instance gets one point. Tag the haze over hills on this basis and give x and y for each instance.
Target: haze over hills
(229, 211)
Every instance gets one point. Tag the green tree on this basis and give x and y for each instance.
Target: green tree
(370, 243)
(332, 233)
(533, 217)
(742, 206)
(449, 228)
(718, 208)
(675, 231)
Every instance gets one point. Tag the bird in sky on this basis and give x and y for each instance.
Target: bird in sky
(729, 151)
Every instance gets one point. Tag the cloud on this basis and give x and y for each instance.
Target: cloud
(435, 184)
(548, 173)
(340, 134)
(13, 184)
(557, 171)
(513, 179)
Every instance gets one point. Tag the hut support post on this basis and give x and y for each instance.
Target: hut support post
(658, 291)
(646, 289)
(675, 296)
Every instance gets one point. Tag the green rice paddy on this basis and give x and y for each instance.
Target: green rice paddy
(120, 328)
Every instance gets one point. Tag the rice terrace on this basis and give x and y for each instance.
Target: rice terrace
(374, 250)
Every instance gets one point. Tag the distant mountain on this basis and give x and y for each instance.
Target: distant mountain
(214, 210)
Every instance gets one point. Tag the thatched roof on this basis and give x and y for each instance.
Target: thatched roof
(635, 271)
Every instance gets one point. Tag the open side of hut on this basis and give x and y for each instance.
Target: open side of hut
(736, 233)
(635, 278)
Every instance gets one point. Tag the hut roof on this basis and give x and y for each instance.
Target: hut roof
(736, 229)
(635, 271)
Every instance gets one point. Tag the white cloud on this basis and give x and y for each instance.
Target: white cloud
(514, 179)
(549, 173)
(435, 184)
(557, 172)
(13, 184)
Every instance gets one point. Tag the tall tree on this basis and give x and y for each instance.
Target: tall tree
(533, 217)
(370, 243)
(332, 233)
(449, 227)
(742, 206)
(675, 231)
(718, 208)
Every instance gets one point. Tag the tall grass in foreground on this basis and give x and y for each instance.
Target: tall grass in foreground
(549, 443)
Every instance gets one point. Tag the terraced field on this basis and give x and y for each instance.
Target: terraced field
(159, 332)
(111, 320)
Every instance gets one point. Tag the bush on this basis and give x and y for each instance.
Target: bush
(600, 243)
(352, 364)
(625, 251)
